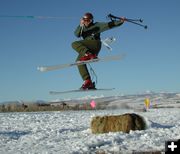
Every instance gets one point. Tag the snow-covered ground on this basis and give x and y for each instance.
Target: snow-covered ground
(69, 131)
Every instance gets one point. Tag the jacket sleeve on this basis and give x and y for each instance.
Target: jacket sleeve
(103, 26)
(78, 31)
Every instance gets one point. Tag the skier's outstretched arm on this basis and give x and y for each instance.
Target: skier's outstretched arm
(109, 25)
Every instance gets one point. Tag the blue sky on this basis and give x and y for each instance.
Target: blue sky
(152, 55)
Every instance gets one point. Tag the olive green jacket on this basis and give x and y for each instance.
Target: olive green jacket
(92, 32)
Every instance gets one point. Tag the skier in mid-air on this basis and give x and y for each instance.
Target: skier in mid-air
(89, 47)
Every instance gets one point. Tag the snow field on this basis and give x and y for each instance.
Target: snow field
(69, 132)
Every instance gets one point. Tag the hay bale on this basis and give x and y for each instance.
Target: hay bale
(117, 123)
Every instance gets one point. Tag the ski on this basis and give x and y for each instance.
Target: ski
(62, 66)
(79, 90)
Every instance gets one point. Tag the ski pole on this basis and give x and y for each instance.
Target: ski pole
(134, 21)
(145, 26)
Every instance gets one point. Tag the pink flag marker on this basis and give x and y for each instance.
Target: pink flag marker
(93, 104)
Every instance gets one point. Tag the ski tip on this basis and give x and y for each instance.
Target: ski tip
(41, 69)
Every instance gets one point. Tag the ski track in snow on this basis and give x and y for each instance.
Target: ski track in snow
(69, 132)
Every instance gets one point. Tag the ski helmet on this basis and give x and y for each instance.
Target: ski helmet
(88, 16)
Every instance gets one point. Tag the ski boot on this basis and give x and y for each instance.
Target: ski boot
(88, 56)
(88, 84)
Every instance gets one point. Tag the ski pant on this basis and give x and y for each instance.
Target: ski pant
(83, 46)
